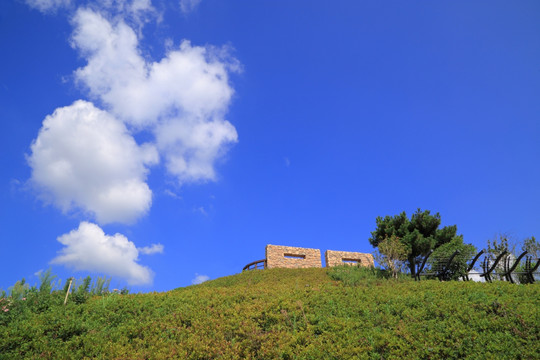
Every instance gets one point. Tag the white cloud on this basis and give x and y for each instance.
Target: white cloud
(172, 194)
(188, 5)
(140, 9)
(137, 12)
(124, 7)
(182, 99)
(191, 147)
(46, 6)
(88, 248)
(84, 158)
(199, 279)
(150, 250)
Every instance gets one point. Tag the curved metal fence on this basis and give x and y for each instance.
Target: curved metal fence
(504, 266)
(259, 264)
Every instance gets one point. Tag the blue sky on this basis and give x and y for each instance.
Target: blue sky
(161, 143)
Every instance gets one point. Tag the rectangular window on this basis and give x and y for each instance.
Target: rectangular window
(293, 256)
(351, 261)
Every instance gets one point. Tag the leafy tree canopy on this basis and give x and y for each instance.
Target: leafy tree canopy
(419, 234)
(532, 246)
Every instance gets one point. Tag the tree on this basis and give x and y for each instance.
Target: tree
(532, 246)
(504, 242)
(419, 235)
(459, 265)
(501, 242)
(391, 255)
(46, 279)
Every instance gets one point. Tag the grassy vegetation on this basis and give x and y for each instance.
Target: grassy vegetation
(339, 313)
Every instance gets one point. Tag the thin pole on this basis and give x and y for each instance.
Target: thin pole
(67, 292)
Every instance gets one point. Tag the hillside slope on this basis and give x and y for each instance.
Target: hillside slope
(283, 313)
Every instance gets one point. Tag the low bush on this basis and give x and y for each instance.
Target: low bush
(356, 275)
(338, 313)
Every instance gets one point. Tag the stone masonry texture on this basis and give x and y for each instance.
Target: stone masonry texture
(292, 257)
(335, 258)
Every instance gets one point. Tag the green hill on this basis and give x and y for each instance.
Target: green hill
(280, 313)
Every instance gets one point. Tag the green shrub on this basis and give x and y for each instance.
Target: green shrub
(337, 313)
(101, 286)
(82, 292)
(46, 279)
(356, 275)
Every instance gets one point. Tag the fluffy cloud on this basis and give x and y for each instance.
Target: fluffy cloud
(84, 158)
(190, 148)
(47, 5)
(153, 249)
(88, 248)
(182, 99)
(188, 5)
(199, 279)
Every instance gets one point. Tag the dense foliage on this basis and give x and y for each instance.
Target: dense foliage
(459, 265)
(420, 234)
(391, 254)
(532, 246)
(337, 313)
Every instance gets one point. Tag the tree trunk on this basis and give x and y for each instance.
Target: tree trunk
(412, 266)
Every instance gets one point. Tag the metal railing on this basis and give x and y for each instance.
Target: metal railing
(259, 264)
(503, 266)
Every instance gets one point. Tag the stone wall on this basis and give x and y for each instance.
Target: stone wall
(335, 258)
(292, 257)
